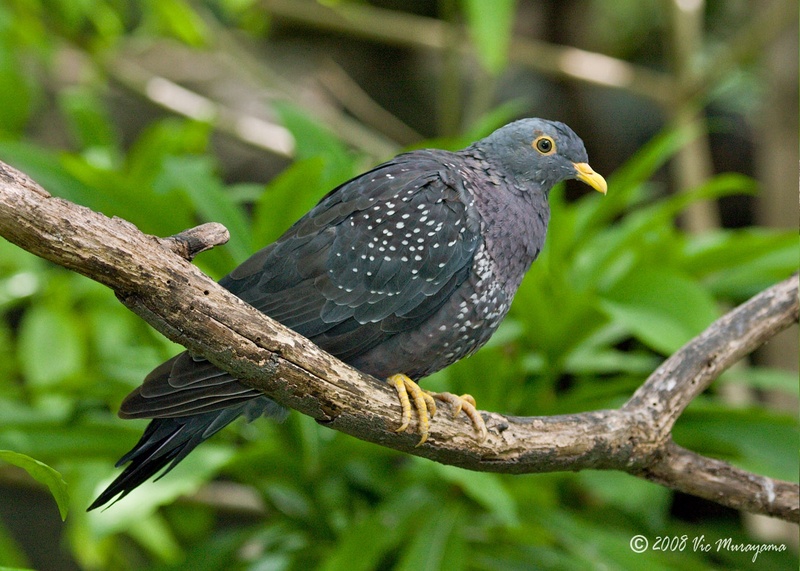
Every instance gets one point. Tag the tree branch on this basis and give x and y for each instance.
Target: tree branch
(188, 307)
(690, 371)
(718, 481)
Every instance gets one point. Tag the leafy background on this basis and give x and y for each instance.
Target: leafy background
(170, 113)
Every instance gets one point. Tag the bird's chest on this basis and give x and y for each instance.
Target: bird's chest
(480, 304)
(513, 231)
(513, 227)
(465, 322)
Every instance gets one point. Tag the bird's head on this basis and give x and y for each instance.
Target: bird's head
(541, 152)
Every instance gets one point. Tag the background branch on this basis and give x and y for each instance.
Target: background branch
(191, 309)
(397, 28)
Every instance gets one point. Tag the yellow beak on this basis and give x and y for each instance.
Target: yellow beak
(587, 175)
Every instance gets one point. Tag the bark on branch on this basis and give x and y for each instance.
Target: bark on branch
(153, 278)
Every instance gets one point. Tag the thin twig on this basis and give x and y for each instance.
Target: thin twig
(260, 133)
(358, 102)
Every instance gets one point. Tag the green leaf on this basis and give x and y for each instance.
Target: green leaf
(737, 264)
(490, 26)
(50, 345)
(763, 442)
(162, 139)
(661, 308)
(286, 198)
(584, 361)
(626, 183)
(154, 534)
(11, 553)
(88, 120)
(438, 542)
(484, 488)
(557, 316)
(187, 477)
(363, 544)
(629, 494)
(195, 176)
(651, 156)
(746, 280)
(606, 256)
(44, 167)
(314, 140)
(180, 20)
(765, 378)
(217, 550)
(43, 474)
(55, 434)
(604, 544)
(15, 92)
(747, 256)
(116, 193)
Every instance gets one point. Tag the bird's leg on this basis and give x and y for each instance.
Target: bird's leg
(468, 405)
(423, 402)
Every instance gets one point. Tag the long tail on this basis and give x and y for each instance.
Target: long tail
(167, 441)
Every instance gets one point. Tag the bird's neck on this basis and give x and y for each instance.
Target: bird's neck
(514, 216)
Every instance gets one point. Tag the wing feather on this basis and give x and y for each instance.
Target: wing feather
(376, 257)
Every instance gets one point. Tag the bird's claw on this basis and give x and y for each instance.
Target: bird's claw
(466, 403)
(408, 391)
(456, 401)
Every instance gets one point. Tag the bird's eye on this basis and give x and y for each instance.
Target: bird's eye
(544, 145)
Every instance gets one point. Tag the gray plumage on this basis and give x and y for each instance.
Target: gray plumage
(404, 269)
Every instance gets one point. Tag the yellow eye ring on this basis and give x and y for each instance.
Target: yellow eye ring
(544, 144)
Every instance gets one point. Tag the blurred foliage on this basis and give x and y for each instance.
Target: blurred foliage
(618, 287)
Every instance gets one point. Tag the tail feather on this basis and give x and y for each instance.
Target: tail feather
(167, 441)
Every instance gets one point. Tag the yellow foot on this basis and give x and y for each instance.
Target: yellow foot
(467, 404)
(423, 402)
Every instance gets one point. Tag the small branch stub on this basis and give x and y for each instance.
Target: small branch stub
(189, 243)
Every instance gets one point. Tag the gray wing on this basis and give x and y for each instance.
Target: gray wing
(376, 257)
